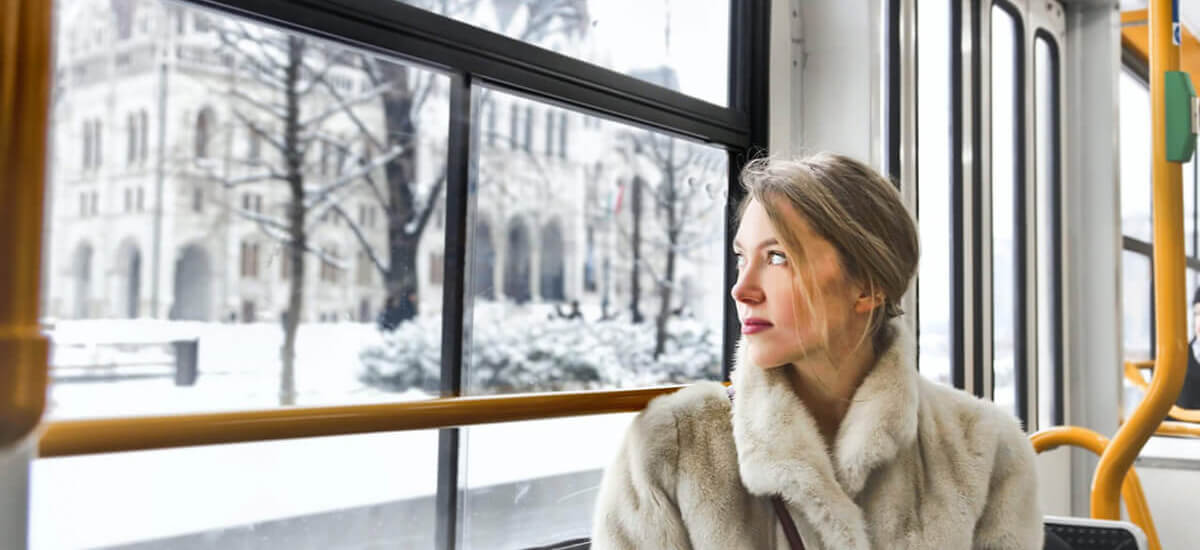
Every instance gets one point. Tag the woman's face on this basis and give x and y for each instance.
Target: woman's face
(780, 325)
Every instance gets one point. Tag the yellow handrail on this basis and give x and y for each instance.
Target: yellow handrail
(78, 437)
(1131, 488)
(1133, 373)
(24, 100)
(1169, 319)
(1184, 429)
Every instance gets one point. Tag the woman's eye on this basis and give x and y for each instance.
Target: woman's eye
(740, 260)
(776, 258)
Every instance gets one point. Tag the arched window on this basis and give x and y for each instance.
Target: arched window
(81, 271)
(130, 274)
(514, 126)
(249, 260)
(98, 142)
(192, 288)
(562, 135)
(131, 147)
(204, 128)
(254, 147)
(528, 129)
(483, 267)
(551, 264)
(329, 270)
(517, 260)
(87, 144)
(549, 133)
(144, 135)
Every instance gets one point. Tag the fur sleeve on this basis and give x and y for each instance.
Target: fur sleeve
(637, 506)
(1012, 517)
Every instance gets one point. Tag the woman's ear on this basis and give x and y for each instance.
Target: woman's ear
(867, 301)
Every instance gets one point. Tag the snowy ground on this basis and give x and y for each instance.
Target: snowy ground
(130, 497)
(239, 367)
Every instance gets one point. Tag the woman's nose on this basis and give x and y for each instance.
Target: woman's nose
(746, 289)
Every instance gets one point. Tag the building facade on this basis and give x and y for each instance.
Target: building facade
(167, 197)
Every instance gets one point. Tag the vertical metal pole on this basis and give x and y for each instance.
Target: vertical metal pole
(749, 47)
(1169, 303)
(24, 126)
(160, 172)
(15, 462)
(456, 318)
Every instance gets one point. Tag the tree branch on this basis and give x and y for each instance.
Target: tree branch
(362, 240)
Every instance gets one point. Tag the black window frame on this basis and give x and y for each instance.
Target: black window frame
(1058, 414)
(1020, 221)
(966, 23)
(472, 56)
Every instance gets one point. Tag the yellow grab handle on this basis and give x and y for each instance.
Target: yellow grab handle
(1133, 373)
(1169, 300)
(24, 99)
(1131, 489)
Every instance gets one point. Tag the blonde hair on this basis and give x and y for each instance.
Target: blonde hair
(851, 206)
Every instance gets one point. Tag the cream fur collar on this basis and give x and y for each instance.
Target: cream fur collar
(780, 450)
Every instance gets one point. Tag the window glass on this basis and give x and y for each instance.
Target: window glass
(683, 46)
(1189, 206)
(935, 278)
(1135, 287)
(195, 321)
(1135, 157)
(1136, 296)
(360, 491)
(1047, 151)
(1190, 293)
(1005, 181)
(654, 207)
(518, 499)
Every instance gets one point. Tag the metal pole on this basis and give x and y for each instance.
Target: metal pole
(1169, 320)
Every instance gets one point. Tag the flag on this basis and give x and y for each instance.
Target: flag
(617, 195)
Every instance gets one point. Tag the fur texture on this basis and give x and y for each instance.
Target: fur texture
(914, 465)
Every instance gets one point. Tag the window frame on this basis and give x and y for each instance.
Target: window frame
(970, 181)
(1021, 205)
(1057, 414)
(472, 57)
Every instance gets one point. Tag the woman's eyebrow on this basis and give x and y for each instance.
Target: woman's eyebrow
(767, 242)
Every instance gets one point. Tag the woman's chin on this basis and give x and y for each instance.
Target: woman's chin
(767, 361)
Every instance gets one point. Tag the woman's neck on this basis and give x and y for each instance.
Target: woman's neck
(826, 384)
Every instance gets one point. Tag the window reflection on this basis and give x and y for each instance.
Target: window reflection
(518, 499)
(247, 495)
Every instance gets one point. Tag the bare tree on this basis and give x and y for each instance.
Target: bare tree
(277, 92)
(409, 203)
(682, 191)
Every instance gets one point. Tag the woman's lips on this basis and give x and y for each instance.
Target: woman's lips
(752, 326)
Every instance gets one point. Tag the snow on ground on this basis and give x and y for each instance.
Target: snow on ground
(239, 367)
(127, 497)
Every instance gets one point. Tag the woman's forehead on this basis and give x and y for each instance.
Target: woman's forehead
(756, 225)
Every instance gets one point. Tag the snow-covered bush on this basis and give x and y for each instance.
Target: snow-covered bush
(521, 349)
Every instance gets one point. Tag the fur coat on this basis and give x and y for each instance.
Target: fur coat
(914, 464)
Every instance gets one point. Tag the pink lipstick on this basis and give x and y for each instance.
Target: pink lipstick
(754, 325)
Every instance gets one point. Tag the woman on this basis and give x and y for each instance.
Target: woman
(827, 411)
